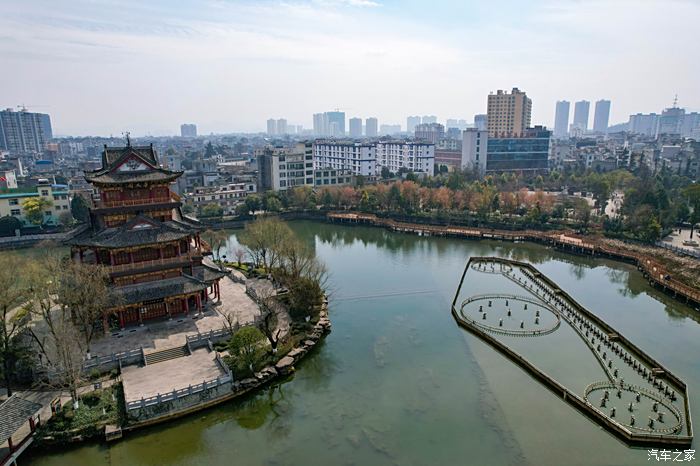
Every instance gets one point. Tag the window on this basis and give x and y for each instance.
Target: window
(15, 212)
(14, 201)
(65, 207)
(47, 213)
(44, 192)
(58, 207)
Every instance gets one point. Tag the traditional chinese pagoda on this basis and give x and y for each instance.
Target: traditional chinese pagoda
(137, 230)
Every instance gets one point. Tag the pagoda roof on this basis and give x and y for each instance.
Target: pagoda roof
(138, 231)
(130, 164)
(208, 273)
(134, 294)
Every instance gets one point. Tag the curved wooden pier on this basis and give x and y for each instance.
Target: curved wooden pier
(573, 312)
(653, 271)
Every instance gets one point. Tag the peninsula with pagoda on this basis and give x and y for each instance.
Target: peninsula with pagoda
(154, 253)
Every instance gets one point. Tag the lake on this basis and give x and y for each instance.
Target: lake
(397, 382)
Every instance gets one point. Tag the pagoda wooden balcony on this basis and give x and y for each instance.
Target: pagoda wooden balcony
(152, 263)
(133, 202)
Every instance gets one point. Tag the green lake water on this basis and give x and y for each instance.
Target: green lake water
(398, 383)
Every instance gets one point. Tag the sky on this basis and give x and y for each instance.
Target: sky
(102, 67)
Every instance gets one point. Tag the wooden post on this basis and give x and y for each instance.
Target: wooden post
(121, 319)
(199, 302)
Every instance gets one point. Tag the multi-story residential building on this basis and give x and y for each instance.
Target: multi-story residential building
(453, 123)
(481, 122)
(645, 124)
(529, 152)
(431, 132)
(413, 156)
(427, 119)
(24, 131)
(671, 121)
(561, 119)
(57, 195)
(601, 117)
(332, 177)
(354, 157)
(271, 127)
(228, 196)
(281, 168)
(371, 128)
(412, 122)
(581, 109)
(281, 126)
(336, 123)
(389, 130)
(508, 115)
(319, 128)
(188, 130)
(355, 127)
(474, 150)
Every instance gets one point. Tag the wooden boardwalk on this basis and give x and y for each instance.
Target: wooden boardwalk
(653, 271)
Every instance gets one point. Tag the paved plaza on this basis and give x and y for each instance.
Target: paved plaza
(164, 377)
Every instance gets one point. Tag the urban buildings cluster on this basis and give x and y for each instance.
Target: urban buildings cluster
(223, 170)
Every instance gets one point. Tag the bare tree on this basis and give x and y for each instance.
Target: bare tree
(67, 299)
(14, 315)
(265, 239)
(268, 322)
(239, 253)
(217, 240)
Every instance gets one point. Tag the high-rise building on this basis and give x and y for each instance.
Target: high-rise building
(371, 130)
(561, 119)
(601, 117)
(481, 122)
(355, 125)
(474, 149)
(454, 123)
(581, 109)
(281, 126)
(645, 124)
(24, 131)
(188, 130)
(388, 130)
(271, 127)
(529, 152)
(336, 123)
(412, 122)
(319, 128)
(671, 121)
(431, 132)
(427, 119)
(508, 115)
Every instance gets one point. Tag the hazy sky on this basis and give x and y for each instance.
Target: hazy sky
(102, 67)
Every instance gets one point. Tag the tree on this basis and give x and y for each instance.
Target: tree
(34, 208)
(209, 150)
(274, 204)
(305, 295)
(62, 334)
(79, 209)
(252, 203)
(66, 219)
(386, 173)
(217, 240)
(14, 316)
(187, 209)
(239, 253)
(244, 345)
(265, 239)
(8, 225)
(212, 210)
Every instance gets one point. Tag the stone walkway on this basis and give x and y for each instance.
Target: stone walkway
(164, 377)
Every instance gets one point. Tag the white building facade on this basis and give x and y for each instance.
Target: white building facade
(475, 145)
(416, 157)
(354, 157)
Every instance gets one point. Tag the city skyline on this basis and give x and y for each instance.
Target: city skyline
(218, 64)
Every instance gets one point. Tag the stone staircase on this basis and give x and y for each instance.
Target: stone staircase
(165, 355)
